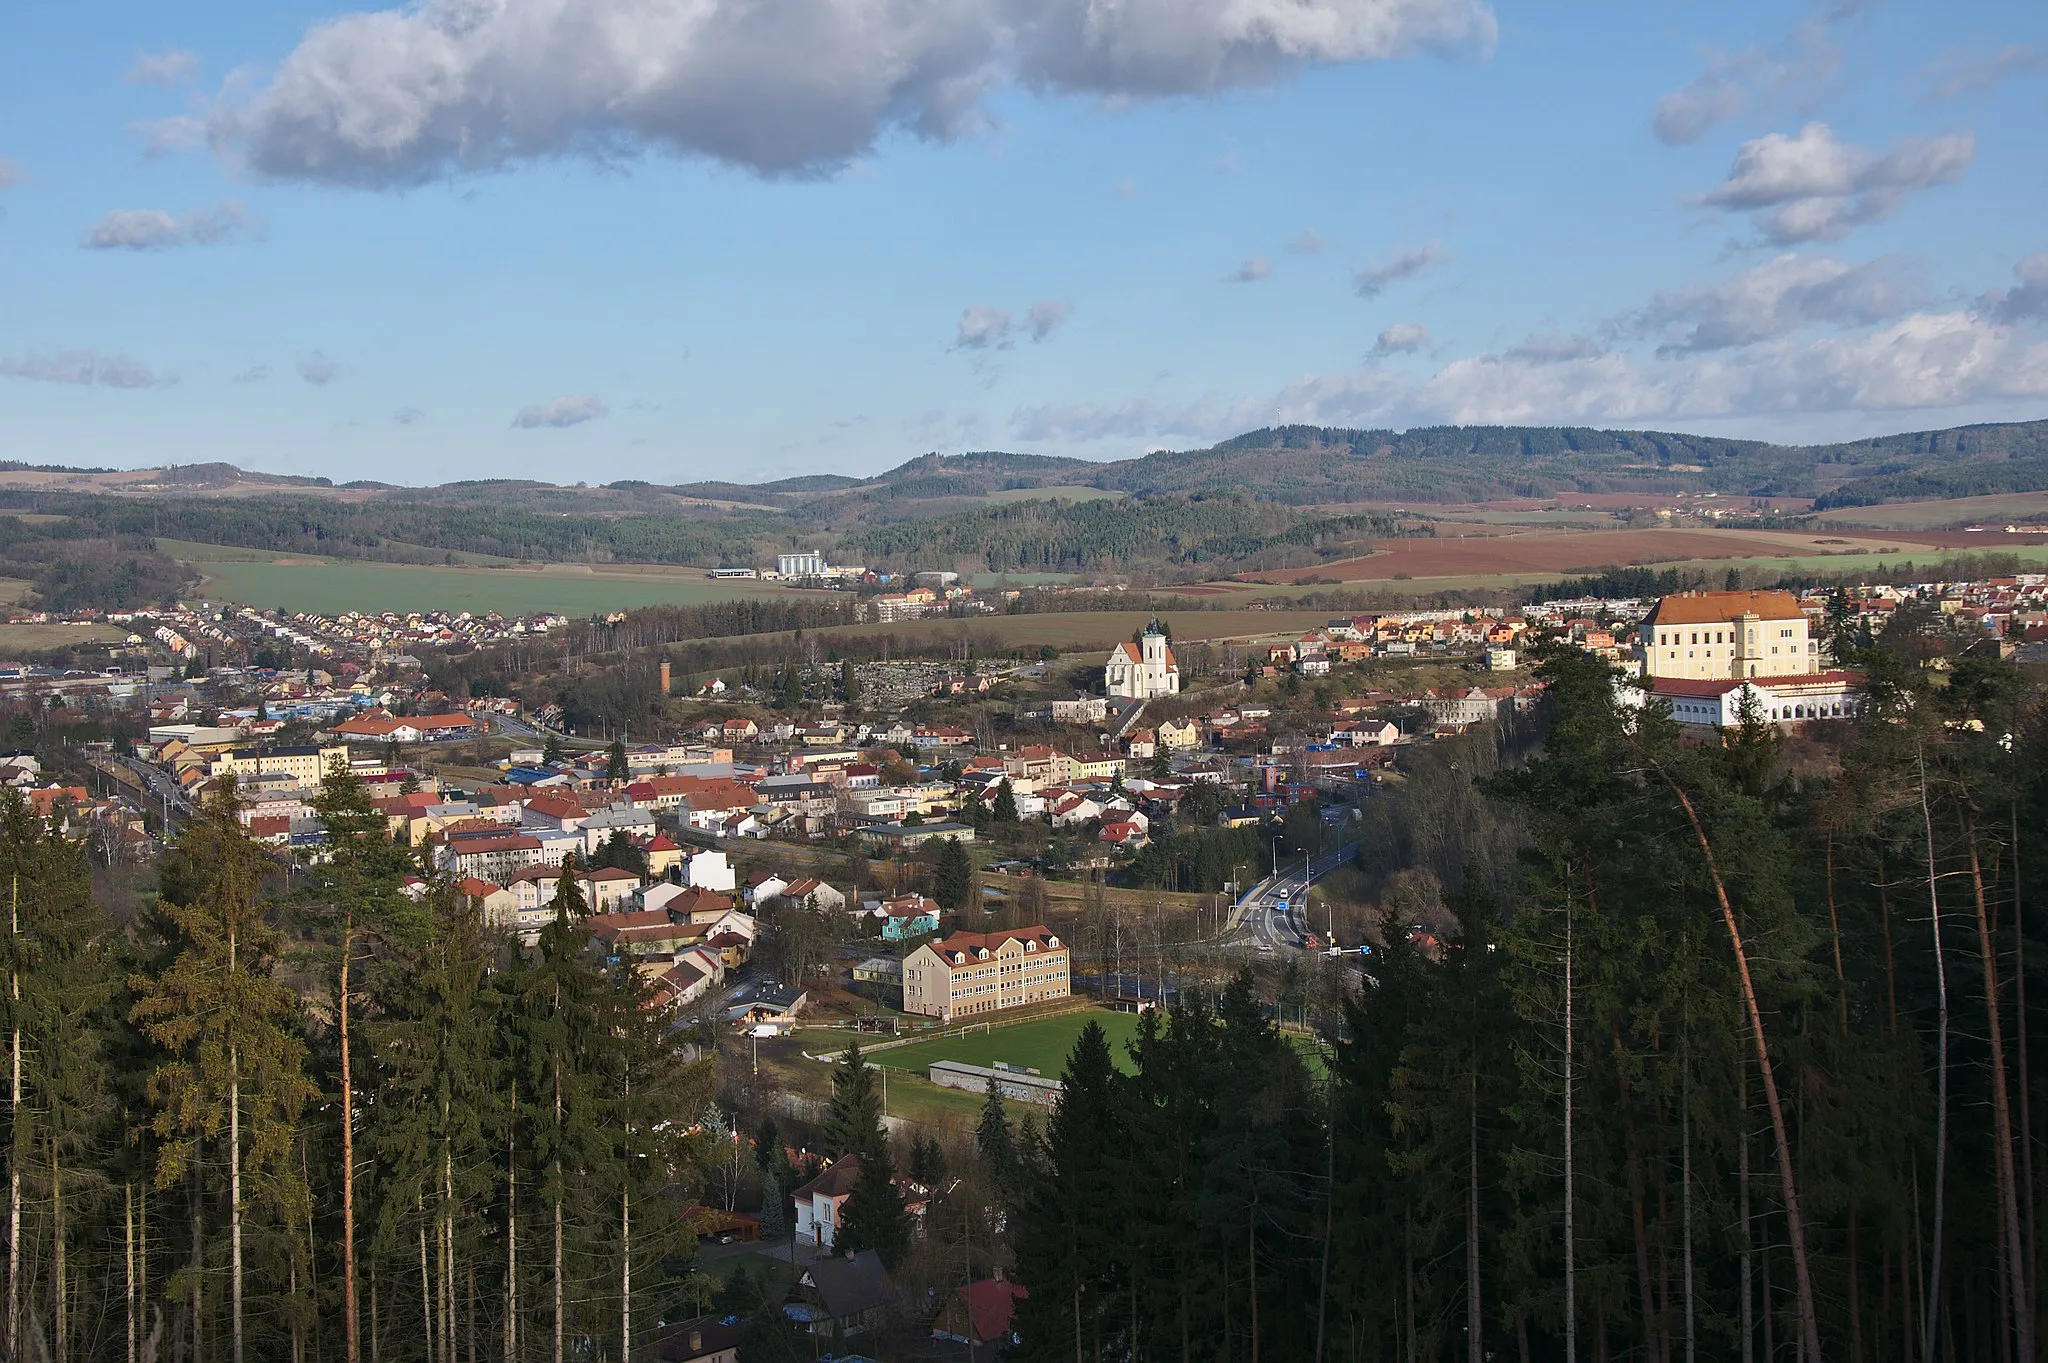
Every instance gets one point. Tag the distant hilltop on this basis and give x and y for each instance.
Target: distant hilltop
(1295, 465)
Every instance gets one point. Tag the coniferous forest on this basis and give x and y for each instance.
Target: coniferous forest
(1736, 1063)
(326, 1119)
(1737, 1066)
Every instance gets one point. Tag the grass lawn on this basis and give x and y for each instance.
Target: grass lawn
(1043, 1045)
(36, 638)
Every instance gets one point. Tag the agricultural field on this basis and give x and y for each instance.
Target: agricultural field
(1992, 510)
(1086, 630)
(1042, 1045)
(331, 586)
(38, 638)
(1046, 494)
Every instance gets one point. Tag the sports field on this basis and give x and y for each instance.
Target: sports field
(1043, 1045)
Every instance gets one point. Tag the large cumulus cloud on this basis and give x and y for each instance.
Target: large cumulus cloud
(781, 87)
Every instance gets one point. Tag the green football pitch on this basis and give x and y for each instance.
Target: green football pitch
(1043, 1045)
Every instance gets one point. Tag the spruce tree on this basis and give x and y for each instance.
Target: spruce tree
(228, 1032)
(874, 1217)
(996, 1145)
(615, 767)
(853, 1118)
(1005, 808)
(953, 878)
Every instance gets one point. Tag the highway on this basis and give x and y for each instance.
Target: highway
(1269, 916)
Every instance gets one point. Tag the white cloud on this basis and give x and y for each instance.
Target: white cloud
(2026, 301)
(1306, 242)
(1046, 316)
(1402, 338)
(1251, 271)
(1372, 281)
(1813, 186)
(982, 327)
(1965, 71)
(167, 67)
(1138, 418)
(404, 96)
(147, 229)
(85, 368)
(573, 410)
(162, 136)
(1794, 72)
(1924, 361)
(985, 327)
(318, 370)
(1783, 295)
(1550, 348)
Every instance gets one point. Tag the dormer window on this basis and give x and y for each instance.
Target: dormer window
(1052, 941)
(1031, 946)
(981, 955)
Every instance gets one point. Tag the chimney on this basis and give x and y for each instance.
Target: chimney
(696, 1336)
(664, 676)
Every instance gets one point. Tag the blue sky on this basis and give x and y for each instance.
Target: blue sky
(603, 239)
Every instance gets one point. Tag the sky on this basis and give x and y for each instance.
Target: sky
(672, 240)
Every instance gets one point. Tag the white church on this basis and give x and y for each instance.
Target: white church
(1142, 670)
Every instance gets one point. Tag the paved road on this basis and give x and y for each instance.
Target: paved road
(1269, 916)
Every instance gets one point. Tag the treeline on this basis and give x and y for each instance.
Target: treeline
(318, 1118)
(77, 566)
(1737, 1066)
(1059, 535)
(1941, 482)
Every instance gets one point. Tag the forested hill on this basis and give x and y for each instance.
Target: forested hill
(1291, 465)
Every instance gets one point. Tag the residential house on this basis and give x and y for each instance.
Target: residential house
(908, 916)
(701, 1339)
(663, 855)
(761, 887)
(709, 870)
(598, 828)
(821, 1203)
(843, 1296)
(980, 1314)
(1183, 736)
(499, 906)
(815, 894)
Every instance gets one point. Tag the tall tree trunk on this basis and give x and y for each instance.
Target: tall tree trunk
(1930, 1317)
(512, 1242)
(1746, 1268)
(1571, 1264)
(2029, 1205)
(349, 1324)
(60, 1314)
(625, 1275)
(426, 1286)
(1795, 1230)
(14, 1116)
(128, 1261)
(235, 1194)
(446, 1245)
(1475, 1351)
(1685, 1174)
(198, 1269)
(1329, 1219)
(558, 1356)
(2001, 1112)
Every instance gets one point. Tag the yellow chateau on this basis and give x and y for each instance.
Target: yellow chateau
(1721, 636)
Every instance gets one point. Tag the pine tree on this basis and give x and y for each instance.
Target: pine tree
(1067, 1250)
(774, 1205)
(996, 1145)
(551, 751)
(1005, 808)
(615, 767)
